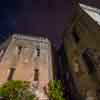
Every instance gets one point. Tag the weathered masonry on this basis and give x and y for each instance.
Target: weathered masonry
(26, 58)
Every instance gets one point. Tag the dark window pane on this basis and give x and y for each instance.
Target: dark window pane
(76, 37)
(88, 58)
(36, 75)
(19, 49)
(11, 73)
(1, 54)
(38, 52)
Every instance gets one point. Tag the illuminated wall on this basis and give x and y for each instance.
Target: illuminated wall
(27, 58)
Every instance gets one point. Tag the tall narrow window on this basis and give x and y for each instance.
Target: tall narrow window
(19, 49)
(88, 58)
(36, 75)
(1, 54)
(76, 37)
(11, 73)
(38, 52)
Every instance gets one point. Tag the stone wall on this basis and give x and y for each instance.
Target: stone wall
(25, 54)
(87, 30)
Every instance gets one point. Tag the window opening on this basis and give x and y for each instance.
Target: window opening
(76, 37)
(11, 73)
(36, 75)
(19, 50)
(38, 51)
(88, 58)
(1, 53)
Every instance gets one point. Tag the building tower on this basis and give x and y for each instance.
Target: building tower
(27, 58)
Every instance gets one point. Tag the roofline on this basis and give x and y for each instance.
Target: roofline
(30, 37)
(97, 10)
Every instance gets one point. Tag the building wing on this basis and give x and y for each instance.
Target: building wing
(93, 12)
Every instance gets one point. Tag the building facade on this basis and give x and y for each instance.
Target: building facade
(81, 44)
(27, 58)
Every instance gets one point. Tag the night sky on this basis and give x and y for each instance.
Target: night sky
(46, 17)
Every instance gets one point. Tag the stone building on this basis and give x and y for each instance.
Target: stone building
(26, 58)
(81, 44)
